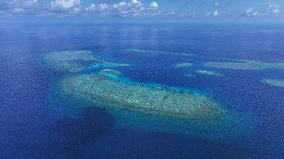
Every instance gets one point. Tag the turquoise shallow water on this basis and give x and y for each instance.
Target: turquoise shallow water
(39, 120)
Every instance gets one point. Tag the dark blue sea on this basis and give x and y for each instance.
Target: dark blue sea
(38, 122)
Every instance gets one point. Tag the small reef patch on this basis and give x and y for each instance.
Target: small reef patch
(75, 61)
(183, 65)
(209, 73)
(110, 72)
(245, 65)
(274, 82)
(189, 75)
(159, 52)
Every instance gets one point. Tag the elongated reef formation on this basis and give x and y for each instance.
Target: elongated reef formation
(245, 65)
(274, 82)
(102, 90)
(75, 61)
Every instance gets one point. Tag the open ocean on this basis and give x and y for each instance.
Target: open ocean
(37, 121)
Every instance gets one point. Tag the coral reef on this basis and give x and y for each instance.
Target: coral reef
(206, 72)
(274, 82)
(75, 61)
(102, 90)
(183, 65)
(245, 65)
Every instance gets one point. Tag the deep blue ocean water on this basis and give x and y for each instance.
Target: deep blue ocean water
(35, 122)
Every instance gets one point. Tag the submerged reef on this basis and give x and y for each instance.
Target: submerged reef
(274, 82)
(183, 65)
(245, 65)
(110, 72)
(189, 75)
(159, 105)
(160, 52)
(103, 90)
(108, 87)
(75, 61)
(206, 72)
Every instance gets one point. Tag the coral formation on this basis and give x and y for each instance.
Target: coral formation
(74, 61)
(274, 82)
(183, 65)
(102, 90)
(206, 72)
(245, 65)
(160, 52)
